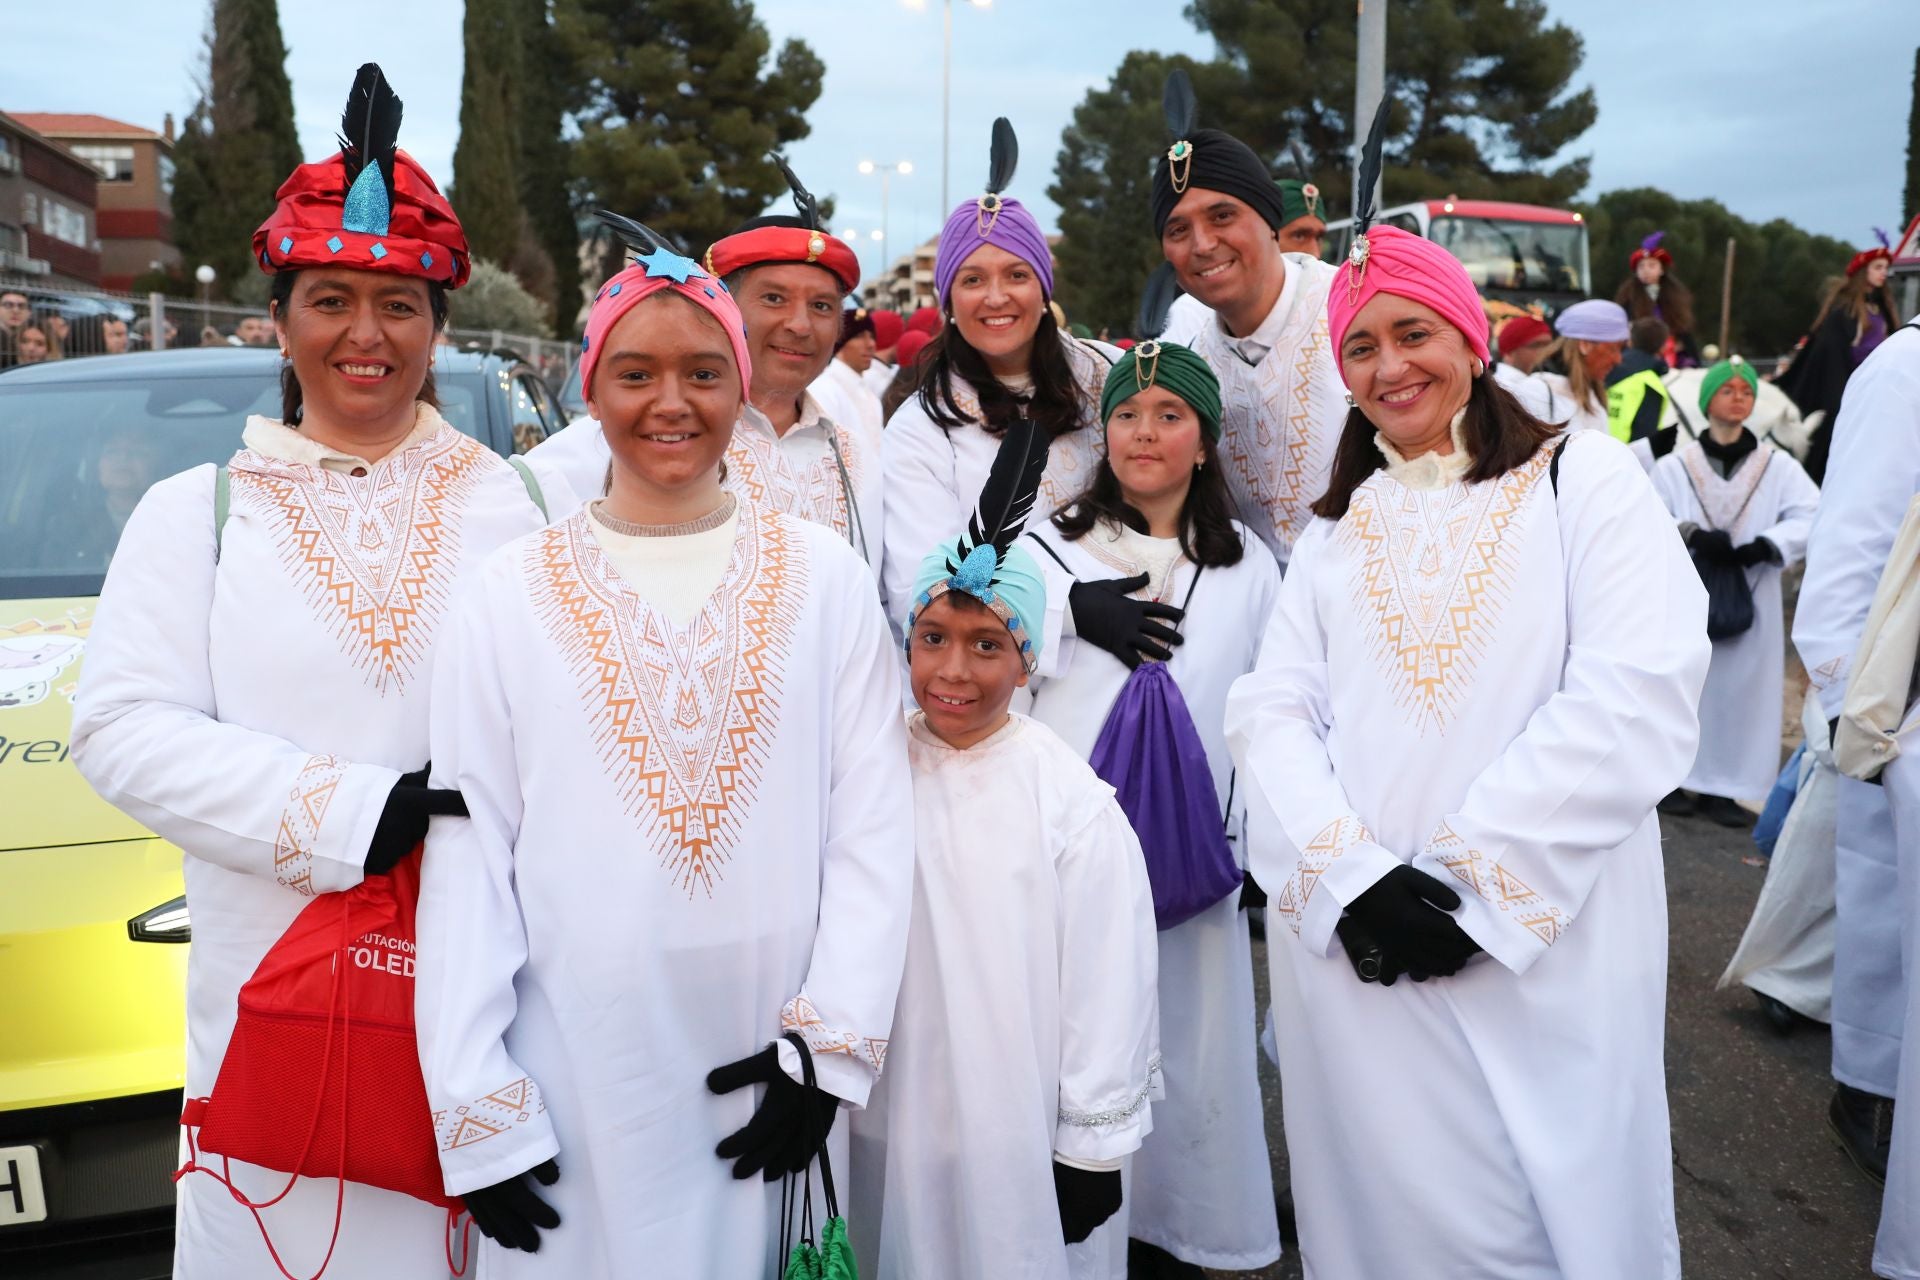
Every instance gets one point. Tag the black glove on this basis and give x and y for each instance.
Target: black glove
(1086, 1198)
(1405, 912)
(1662, 441)
(1712, 545)
(1251, 894)
(1370, 962)
(1104, 614)
(787, 1130)
(510, 1214)
(1759, 551)
(403, 823)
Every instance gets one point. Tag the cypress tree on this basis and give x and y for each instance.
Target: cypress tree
(1911, 206)
(486, 189)
(543, 158)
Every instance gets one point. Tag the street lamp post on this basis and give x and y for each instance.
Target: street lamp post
(886, 172)
(946, 85)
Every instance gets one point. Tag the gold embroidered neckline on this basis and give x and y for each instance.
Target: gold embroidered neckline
(627, 528)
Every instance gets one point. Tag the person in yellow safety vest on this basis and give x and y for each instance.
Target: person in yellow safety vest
(1637, 398)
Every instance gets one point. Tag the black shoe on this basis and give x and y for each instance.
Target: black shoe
(1862, 1123)
(1723, 811)
(1149, 1262)
(1783, 1019)
(1679, 804)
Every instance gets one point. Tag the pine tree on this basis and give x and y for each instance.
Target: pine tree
(678, 107)
(486, 188)
(238, 143)
(544, 157)
(1911, 204)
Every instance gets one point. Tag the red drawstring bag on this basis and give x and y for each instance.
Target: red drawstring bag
(328, 1015)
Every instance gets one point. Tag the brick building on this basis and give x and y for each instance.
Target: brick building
(135, 188)
(47, 208)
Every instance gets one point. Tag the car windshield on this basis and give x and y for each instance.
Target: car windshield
(1501, 254)
(75, 457)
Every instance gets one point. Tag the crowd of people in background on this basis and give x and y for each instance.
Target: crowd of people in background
(53, 328)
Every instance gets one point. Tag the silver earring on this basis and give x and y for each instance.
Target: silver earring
(1478, 368)
(1349, 396)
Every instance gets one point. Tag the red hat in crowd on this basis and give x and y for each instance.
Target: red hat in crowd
(369, 206)
(1650, 248)
(887, 328)
(912, 343)
(1865, 256)
(786, 238)
(1521, 331)
(926, 320)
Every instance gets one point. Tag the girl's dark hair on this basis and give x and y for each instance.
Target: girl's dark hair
(1055, 403)
(1499, 433)
(280, 293)
(1207, 535)
(1674, 305)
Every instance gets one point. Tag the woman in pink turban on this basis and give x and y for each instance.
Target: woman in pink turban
(1481, 675)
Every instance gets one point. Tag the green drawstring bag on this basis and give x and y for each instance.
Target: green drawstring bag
(831, 1256)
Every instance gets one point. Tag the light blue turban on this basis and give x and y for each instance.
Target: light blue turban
(1011, 585)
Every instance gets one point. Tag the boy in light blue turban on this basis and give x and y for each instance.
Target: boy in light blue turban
(1025, 1046)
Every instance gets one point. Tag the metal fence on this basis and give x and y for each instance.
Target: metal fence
(77, 324)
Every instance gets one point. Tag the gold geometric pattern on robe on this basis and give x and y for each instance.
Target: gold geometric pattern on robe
(368, 550)
(764, 476)
(307, 804)
(1432, 570)
(1272, 465)
(800, 1015)
(497, 1112)
(682, 715)
(1329, 843)
(1497, 884)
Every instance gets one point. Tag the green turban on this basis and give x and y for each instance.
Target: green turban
(1170, 365)
(1717, 376)
(1299, 200)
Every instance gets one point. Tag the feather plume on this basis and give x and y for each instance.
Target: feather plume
(637, 236)
(1178, 104)
(1300, 159)
(802, 198)
(1372, 154)
(1156, 301)
(370, 127)
(1880, 234)
(1652, 242)
(1011, 489)
(1002, 156)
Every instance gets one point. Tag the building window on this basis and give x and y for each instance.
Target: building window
(63, 222)
(9, 158)
(114, 163)
(29, 208)
(166, 173)
(12, 239)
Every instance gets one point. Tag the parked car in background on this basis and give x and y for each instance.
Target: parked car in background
(573, 397)
(94, 930)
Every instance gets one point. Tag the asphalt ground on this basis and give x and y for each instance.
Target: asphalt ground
(1760, 1188)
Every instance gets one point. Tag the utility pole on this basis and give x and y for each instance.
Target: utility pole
(1369, 83)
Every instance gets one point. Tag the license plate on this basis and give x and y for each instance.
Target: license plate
(21, 1197)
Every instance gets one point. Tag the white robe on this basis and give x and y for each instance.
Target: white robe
(933, 476)
(1872, 475)
(1787, 949)
(796, 474)
(256, 710)
(1534, 393)
(1281, 419)
(1202, 1185)
(684, 840)
(1767, 496)
(846, 397)
(1896, 1249)
(1494, 683)
(1025, 1027)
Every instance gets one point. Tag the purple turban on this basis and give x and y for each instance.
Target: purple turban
(983, 221)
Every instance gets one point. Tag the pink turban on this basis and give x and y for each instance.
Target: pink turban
(1406, 266)
(650, 274)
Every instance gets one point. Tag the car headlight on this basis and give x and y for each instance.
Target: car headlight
(168, 922)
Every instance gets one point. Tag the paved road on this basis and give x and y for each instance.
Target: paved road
(1759, 1187)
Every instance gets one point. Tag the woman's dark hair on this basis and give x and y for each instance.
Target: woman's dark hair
(1499, 433)
(1207, 535)
(1055, 403)
(1674, 305)
(280, 293)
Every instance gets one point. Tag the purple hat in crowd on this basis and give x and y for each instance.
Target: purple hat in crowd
(995, 220)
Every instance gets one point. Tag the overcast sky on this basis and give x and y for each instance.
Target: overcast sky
(1794, 109)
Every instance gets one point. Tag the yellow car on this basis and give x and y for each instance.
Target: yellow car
(93, 927)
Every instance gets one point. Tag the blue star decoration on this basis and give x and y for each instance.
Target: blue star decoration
(665, 262)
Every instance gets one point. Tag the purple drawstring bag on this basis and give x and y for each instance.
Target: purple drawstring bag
(1151, 754)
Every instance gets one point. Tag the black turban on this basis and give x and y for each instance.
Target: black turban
(1219, 162)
